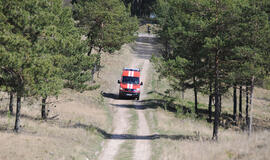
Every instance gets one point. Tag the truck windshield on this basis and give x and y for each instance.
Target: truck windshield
(131, 80)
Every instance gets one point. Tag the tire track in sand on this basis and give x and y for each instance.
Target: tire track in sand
(120, 125)
(143, 148)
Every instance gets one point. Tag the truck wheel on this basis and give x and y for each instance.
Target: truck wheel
(138, 97)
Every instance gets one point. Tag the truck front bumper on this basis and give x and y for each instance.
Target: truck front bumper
(129, 94)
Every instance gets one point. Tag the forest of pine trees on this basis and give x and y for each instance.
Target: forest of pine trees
(42, 48)
(211, 46)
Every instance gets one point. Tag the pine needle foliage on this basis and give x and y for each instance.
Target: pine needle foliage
(213, 44)
(107, 24)
(40, 50)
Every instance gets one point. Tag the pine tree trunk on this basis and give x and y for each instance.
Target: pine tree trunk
(217, 98)
(98, 67)
(90, 51)
(93, 73)
(140, 8)
(11, 103)
(196, 100)
(43, 108)
(210, 91)
(18, 114)
(247, 107)
(234, 102)
(166, 49)
(210, 103)
(251, 106)
(195, 96)
(182, 92)
(240, 102)
(220, 103)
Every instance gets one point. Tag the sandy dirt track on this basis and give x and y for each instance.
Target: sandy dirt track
(143, 51)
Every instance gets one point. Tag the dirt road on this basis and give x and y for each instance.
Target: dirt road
(143, 51)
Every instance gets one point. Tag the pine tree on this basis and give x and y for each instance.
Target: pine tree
(106, 24)
(140, 8)
(40, 50)
(182, 36)
(226, 40)
(252, 49)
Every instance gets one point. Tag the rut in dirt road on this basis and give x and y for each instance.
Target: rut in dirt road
(143, 51)
(143, 148)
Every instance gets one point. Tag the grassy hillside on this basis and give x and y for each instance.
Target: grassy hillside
(188, 137)
(70, 131)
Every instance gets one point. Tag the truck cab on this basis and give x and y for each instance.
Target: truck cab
(130, 84)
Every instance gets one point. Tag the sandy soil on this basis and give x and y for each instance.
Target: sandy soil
(121, 117)
(143, 149)
(143, 50)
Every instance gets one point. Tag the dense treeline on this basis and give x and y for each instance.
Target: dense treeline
(107, 25)
(43, 46)
(211, 46)
(140, 8)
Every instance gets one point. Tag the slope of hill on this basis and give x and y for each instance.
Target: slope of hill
(70, 131)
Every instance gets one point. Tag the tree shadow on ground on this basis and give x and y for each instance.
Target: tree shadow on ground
(109, 95)
(5, 113)
(263, 98)
(151, 40)
(145, 47)
(3, 128)
(106, 135)
(114, 96)
(147, 104)
(226, 119)
(6, 126)
(131, 106)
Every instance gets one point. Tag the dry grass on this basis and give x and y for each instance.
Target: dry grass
(193, 141)
(58, 138)
(261, 101)
(186, 138)
(70, 134)
(126, 149)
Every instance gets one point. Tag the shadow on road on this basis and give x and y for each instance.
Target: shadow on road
(109, 95)
(114, 96)
(141, 137)
(131, 106)
(142, 104)
(148, 39)
(148, 104)
(146, 46)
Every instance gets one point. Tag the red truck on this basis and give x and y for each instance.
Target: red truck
(130, 84)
